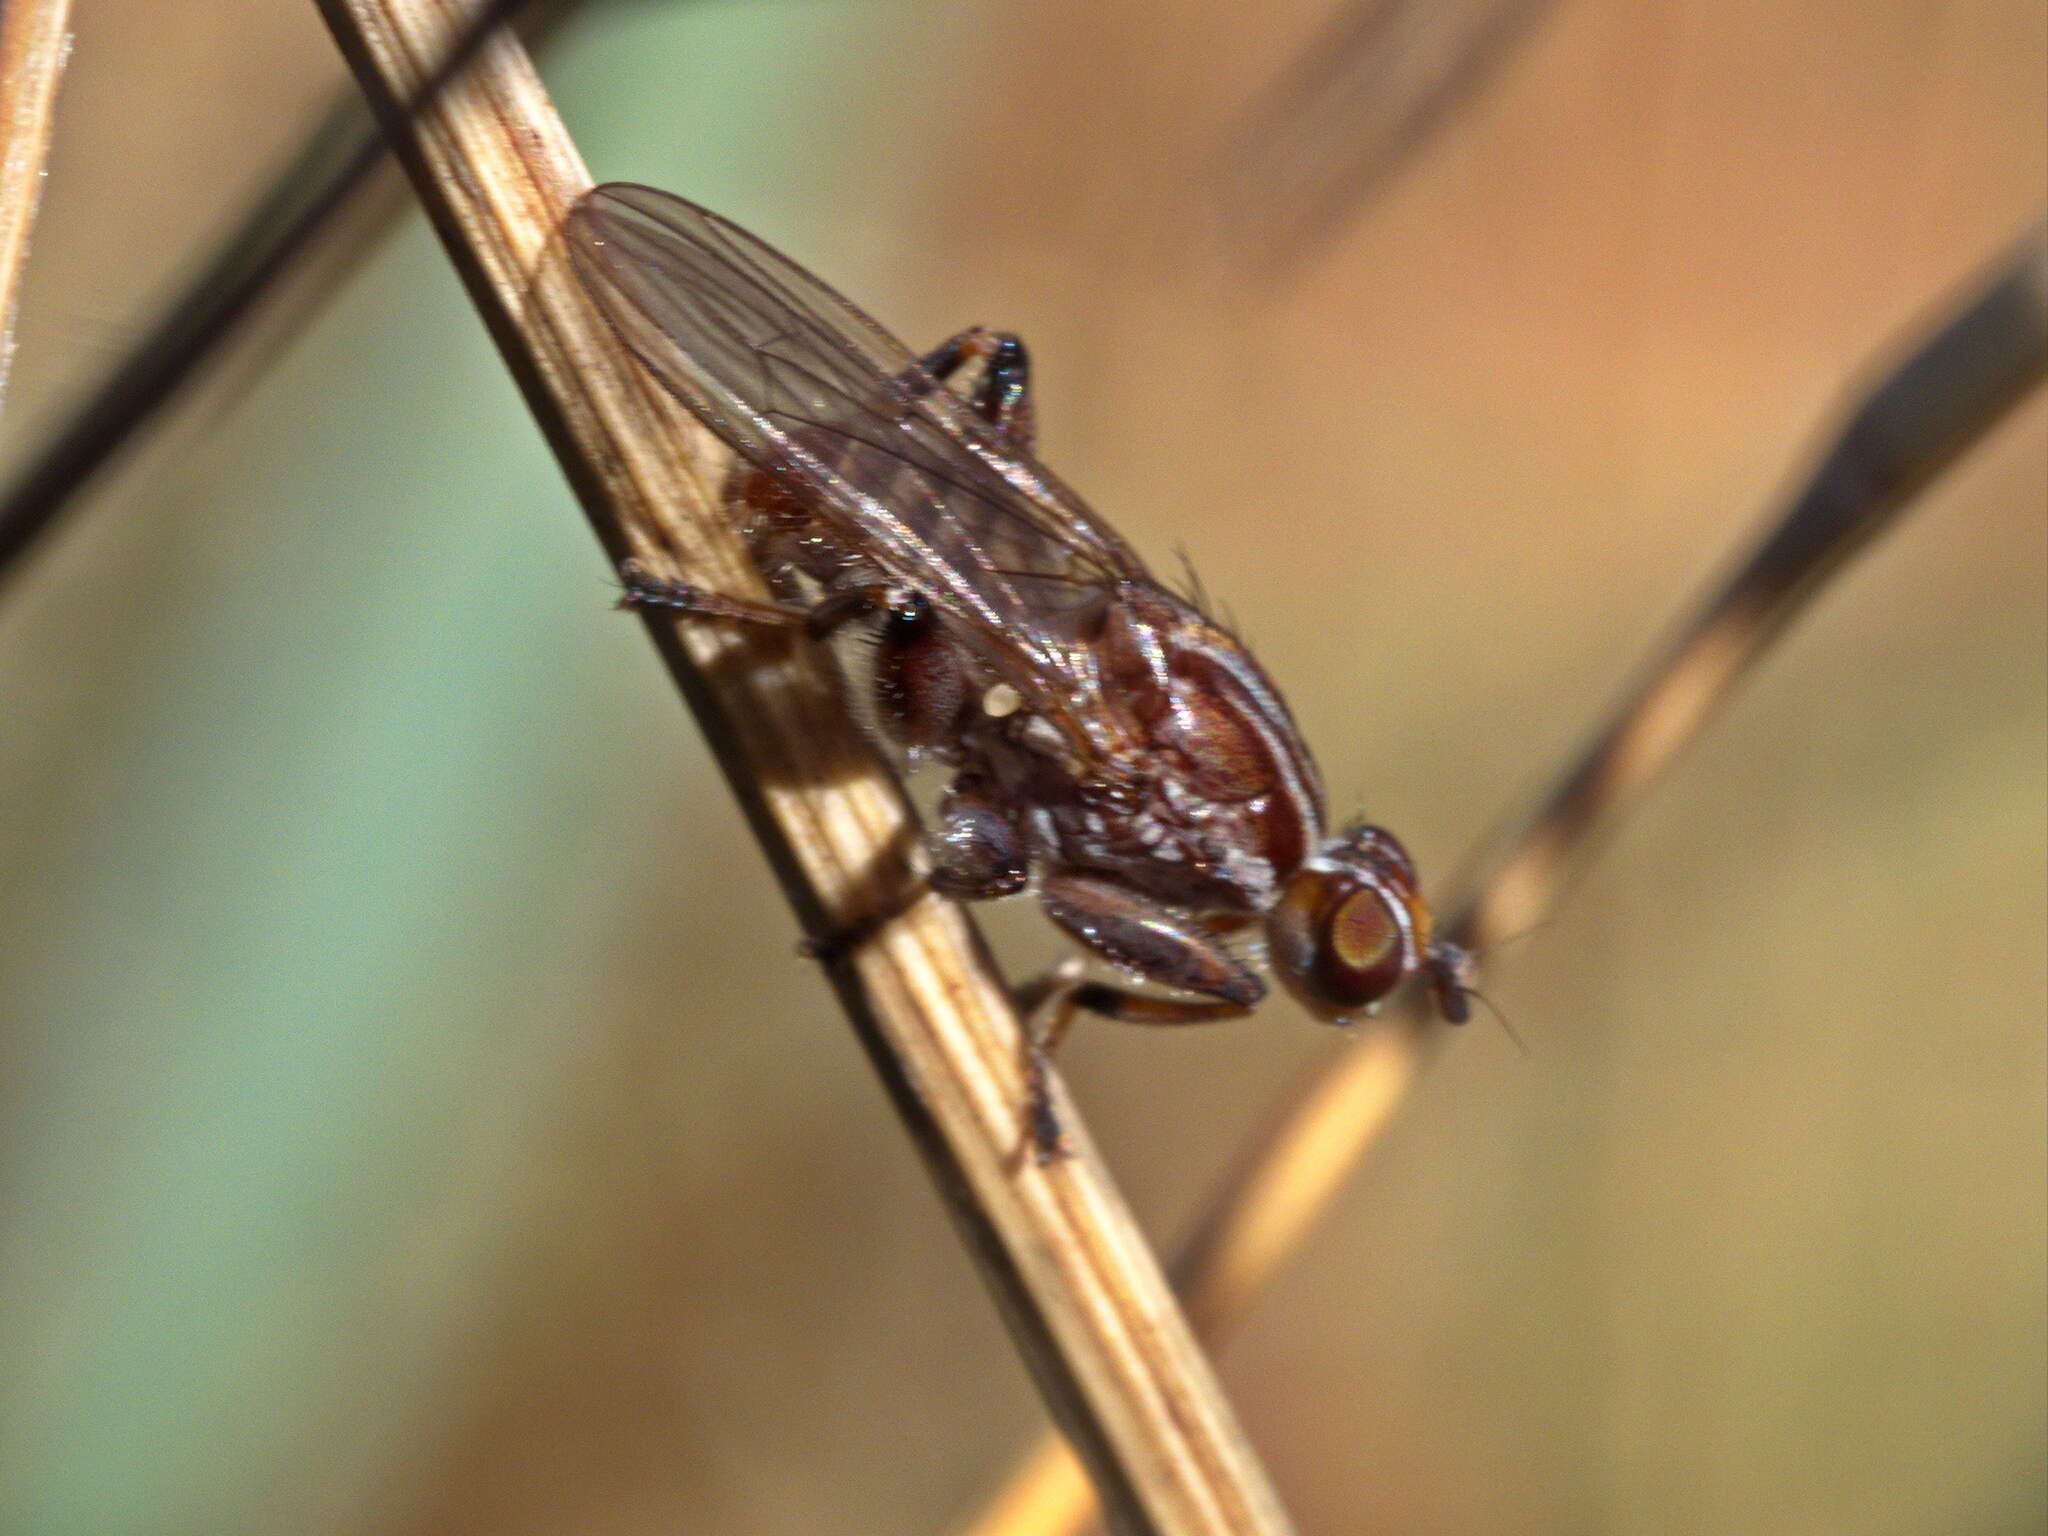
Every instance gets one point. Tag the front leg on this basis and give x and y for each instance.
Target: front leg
(1156, 943)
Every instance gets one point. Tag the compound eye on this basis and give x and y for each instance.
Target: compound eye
(1363, 935)
(1338, 941)
(1367, 947)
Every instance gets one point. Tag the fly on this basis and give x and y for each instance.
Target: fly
(1111, 747)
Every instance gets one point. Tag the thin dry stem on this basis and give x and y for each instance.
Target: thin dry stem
(330, 174)
(1091, 1313)
(35, 42)
(1917, 419)
(268, 241)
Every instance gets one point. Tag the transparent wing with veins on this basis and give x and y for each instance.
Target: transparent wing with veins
(820, 397)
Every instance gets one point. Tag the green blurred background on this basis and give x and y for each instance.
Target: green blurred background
(414, 1118)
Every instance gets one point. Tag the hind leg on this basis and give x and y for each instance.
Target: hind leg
(1002, 395)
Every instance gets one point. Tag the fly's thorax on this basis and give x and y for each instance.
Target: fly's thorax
(1189, 782)
(1351, 925)
(1242, 754)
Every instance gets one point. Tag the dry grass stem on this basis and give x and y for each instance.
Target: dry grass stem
(35, 42)
(1090, 1310)
(1915, 421)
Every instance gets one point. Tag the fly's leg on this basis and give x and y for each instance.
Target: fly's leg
(1147, 939)
(921, 680)
(1064, 997)
(1002, 395)
(1155, 942)
(978, 853)
(643, 589)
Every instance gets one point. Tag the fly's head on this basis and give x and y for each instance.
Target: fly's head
(1351, 925)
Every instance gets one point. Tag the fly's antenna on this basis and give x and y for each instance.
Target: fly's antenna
(1500, 1018)
(1452, 970)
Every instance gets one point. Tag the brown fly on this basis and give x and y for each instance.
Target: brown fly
(1112, 748)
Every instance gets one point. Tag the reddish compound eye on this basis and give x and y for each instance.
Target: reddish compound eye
(1350, 926)
(1363, 936)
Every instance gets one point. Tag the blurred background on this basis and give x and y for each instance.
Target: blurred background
(413, 1115)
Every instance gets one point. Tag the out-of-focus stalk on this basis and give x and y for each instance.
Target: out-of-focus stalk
(332, 172)
(1914, 421)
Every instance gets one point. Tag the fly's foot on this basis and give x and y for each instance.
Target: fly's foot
(1049, 1140)
(1051, 995)
(640, 588)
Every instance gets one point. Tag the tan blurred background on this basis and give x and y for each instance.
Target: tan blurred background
(413, 1118)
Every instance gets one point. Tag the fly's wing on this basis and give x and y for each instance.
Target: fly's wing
(813, 392)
